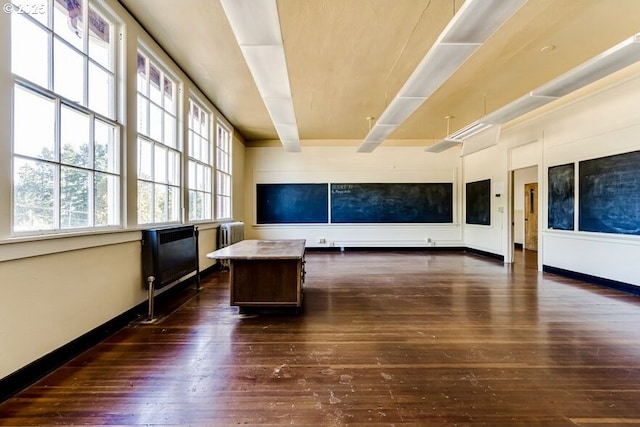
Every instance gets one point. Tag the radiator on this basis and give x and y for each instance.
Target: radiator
(231, 232)
(168, 254)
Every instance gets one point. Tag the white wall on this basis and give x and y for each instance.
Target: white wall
(598, 121)
(490, 163)
(321, 164)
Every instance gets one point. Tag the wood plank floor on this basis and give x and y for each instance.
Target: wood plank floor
(386, 338)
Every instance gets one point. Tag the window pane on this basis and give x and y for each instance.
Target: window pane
(204, 150)
(106, 194)
(33, 195)
(173, 167)
(160, 164)
(100, 91)
(106, 149)
(142, 74)
(68, 72)
(193, 181)
(190, 143)
(169, 96)
(170, 130)
(29, 51)
(193, 213)
(173, 204)
(31, 109)
(195, 150)
(145, 159)
(143, 115)
(207, 179)
(206, 206)
(74, 198)
(74, 138)
(155, 80)
(145, 191)
(100, 42)
(155, 122)
(68, 21)
(160, 195)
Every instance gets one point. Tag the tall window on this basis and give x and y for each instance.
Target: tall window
(66, 142)
(223, 172)
(159, 156)
(200, 163)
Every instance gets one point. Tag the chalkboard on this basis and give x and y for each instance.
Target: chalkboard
(561, 197)
(392, 203)
(610, 194)
(479, 202)
(292, 203)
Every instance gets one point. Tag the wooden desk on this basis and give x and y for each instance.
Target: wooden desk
(265, 273)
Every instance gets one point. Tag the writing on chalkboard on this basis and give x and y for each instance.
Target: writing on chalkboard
(341, 188)
(392, 203)
(609, 199)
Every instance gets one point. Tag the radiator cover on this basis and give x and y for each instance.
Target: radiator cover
(169, 254)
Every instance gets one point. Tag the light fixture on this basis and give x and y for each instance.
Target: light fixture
(618, 57)
(475, 22)
(256, 26)
(517, 108)
(446, 143)
(443, 145)
(614, 59)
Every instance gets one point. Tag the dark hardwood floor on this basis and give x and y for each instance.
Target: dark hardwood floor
(385, 338)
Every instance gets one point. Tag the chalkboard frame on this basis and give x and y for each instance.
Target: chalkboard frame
(478, 202)
(306, 203)
(561, 197)
(609, 194)
(392, 203)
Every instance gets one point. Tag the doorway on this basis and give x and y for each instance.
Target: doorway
(531, 216)
(524, 213)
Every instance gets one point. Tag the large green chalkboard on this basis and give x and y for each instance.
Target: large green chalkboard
(478, 202)
(609, 199)
(392, 203)
(292, 203)
(561, 197)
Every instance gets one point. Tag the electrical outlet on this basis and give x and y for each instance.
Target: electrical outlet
(322, 241)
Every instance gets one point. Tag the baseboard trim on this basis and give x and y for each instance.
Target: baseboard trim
(518, 246)
(485, 254)
(38, 369)
(595, 280)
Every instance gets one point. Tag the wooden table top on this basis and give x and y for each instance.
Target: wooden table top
(261, 249)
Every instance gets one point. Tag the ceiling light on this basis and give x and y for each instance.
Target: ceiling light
(256, 26)
(468, 131)
(618, 57)
(443, 145)
(609, 61)
(476, 21)
(517, 108)
(399, 110)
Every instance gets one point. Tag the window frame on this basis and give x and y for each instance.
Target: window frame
(94, 169)
(223, 200)
(206, 164)
(174, 152)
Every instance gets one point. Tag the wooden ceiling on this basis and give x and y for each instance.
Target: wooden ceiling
(348, 58)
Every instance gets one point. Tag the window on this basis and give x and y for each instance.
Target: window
(223, 172)
(66, 142)
(200, 163)
(159, 155)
